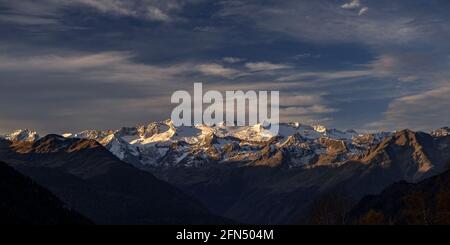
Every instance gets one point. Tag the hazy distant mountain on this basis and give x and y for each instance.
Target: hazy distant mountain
(88, 178)
(22, 201)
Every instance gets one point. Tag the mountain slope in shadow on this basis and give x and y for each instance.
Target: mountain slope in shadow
(87, 177)
(279, 195)
(24, 202)
(406, 156)
(423, 203)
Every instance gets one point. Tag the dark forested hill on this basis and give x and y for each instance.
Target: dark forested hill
(426, 203)
(24, 202)
(88, 178)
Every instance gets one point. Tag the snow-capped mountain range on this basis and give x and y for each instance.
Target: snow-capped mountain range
(162, 145)
(22, 135)
(244, 173)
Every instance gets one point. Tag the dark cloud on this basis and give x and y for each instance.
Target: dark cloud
(70, 65)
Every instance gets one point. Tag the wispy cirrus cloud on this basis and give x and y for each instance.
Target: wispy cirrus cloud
(28, 20)
(107, 66)
(331, 21)
(147, 9)
(217, 70)
(311, 108)
(233, 60)
(428, 110)
(300, 111)
(50, 11)
(220, 70)
(66, 87)
(301, 100)
(265, 66)
(363, 10)
(354, 4)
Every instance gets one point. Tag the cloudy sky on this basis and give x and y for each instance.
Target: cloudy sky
(68, 65)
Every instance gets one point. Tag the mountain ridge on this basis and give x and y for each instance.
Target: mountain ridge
(239, 176)
(88, 178)
(160, 144)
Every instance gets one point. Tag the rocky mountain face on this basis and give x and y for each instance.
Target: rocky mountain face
(407, 157)
(274, 195)
(445, 131)
(426, 202)
(88, 178)
(416, 155)
(160, 145)
(22, 201)
(22, 135)
(247, 174)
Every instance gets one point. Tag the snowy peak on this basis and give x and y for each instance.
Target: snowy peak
(294, 140)
(23, 135)
(442, 132)
(320, 128)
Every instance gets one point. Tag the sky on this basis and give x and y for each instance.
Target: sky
(70, 65)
